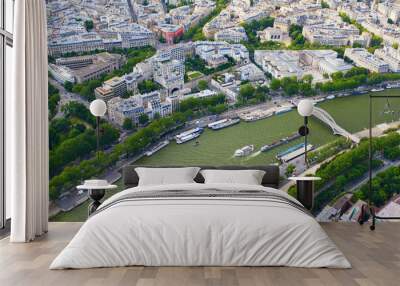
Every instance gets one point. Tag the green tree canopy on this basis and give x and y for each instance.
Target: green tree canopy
(89, 25)
(246, 92)
(127, 124)
(202, 85)
(68, 86)
(143, 119)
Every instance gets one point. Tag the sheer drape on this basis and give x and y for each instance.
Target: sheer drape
(27, 124)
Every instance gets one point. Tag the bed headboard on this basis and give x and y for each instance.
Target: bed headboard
(271, 178)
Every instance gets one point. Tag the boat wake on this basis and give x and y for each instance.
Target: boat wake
(255, 154)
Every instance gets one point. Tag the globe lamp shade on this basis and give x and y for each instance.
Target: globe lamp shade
(305, 107)
(98, 107)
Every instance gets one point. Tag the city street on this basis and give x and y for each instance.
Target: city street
(66, 97)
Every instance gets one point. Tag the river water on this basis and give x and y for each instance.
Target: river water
(217, 147)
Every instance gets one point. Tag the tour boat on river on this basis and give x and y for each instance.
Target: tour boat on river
(157, 148)
(244, 151)
(188, 135)
(283, 110)
(282, 141)
(220, 124)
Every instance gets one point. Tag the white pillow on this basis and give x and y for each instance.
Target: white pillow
(247, 177)
(166, 176)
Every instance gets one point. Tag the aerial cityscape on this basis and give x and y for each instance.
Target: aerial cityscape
(209, 82)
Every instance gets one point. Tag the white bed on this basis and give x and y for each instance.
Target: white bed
(207, 230)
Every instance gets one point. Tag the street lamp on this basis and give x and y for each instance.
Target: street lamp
(305, 108)
(98, 108)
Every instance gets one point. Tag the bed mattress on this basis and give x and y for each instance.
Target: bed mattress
(201, 225)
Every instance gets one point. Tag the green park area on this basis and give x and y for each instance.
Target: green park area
(193, 75)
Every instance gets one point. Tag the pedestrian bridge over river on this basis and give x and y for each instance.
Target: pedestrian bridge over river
(326, 118)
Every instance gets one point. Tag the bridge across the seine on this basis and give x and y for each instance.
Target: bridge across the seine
(326, 118)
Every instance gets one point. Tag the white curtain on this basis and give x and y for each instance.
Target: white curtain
(27, 124)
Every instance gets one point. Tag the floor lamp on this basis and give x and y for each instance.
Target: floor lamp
(98, 108)
(305, 184)
(371, 154)
(96, 188)
(305, 108)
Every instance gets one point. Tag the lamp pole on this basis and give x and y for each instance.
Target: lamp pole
(98, 137)
(305, 140)
(98, 108)
(305, 108)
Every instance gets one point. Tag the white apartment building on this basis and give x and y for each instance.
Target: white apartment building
(173, 99)
(364, 39)
(232, 35)
(362, 58)
(332, 65)
(279, 63)
(83, 43)
(274, 35)
(282, 23)
(61, 74)
(391, 56)
(285, 63)
(215, 60)
(228, 86)
(205, 49)
(118, 85)
(170, 74)
(251, 72)
(145, 98)
(222, 21)
(179, 15)
(114, 87)
(331, 34)
(145, 69)
(155, 106)
(104, 92)
(132, 81)
(132, 35)
(120, 108)
(252, 15)
(175, 52)
(389, 33)
(137, 39)
(390, 9)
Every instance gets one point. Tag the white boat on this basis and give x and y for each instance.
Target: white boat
(283, 110)
(377, 89)
(189, 132)
(212, 124)
(244, 151)
(225, 123)
(187, 138)
(330, 97)
(157, 148)
(258, 116)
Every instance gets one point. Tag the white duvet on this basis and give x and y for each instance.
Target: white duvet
(200, 231)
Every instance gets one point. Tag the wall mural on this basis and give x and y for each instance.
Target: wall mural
(217, 83)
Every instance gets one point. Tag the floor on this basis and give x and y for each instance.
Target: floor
(5, 231)
(375, 257)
